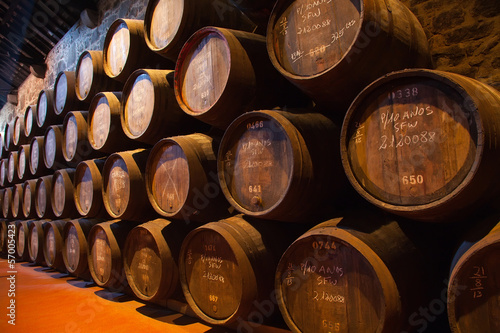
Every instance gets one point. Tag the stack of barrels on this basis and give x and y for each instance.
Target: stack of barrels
(289, 163)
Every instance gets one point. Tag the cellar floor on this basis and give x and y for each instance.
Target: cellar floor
(48, 301)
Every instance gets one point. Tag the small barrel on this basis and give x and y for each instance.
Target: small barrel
(125, 50)
(328, 48)
(36, 161)
(22, 240)
(65, 99)
(29, 187)
(150, 111)
(358, 274)
(169, 23)
(6, 203)
(31, 128)
(105, 132)
(17, 201)
(75, 248)
(181, 179)
(422, 144)
(43, 193)
(91, 78)
(227, 267)
(53, 244)
(76, 146)
(9, 137)
(150, 257)
(4, 163)
(474, 286)
(45, 115)
(123, 189)
(88, 188)
(62, 195)
(105, 244)
(23, 156)
(36, 238)
(224, 73)
(18, 134)
(281, 165)
(12, 167)
(7, 230)
(53, 139)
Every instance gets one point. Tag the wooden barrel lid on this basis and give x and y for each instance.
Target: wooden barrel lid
(33, 242)
(61, 92)
(139, 105)
(72, 247)
(117, 186)
(311, 37)
(18, 134)
(50, 249)
(3, 171)
(212, 273)
(170, 177)
(101, 257)
(333, 281)
(27, 197)
(100, 123)
(21, 163)
(12, 166)
(21, 239)
(84, 190)
(258, 161)
(29, 117)
(70, 137)
(50, 147)
(42, 200)
(58, 193)
(17, 195)
(7, 198)
(34, 161)
(166, 18)
(203, 72)
(118, 48)
(84, 76)
(42, 108)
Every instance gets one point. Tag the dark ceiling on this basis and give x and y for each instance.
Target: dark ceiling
(29, 29)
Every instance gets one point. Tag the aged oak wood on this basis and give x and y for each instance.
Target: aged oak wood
(65, 99)
(16, 203)
(76, 145)
(22, 233)
(23, 156)
(53, 244)
(29, 187)
(36, 161)
(62, 195)
(12, 164)
(43, 193)
(45, 115)
(420, 143)
(88, 188)
(53, 157)
(6, 203)
(36, 238)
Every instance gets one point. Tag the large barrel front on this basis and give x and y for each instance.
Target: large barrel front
(36, 242)
(23, 156)
(29, 187)
(76, 146)
(280, 165)
(333, 49)
(421, 143)
(53, 157)
(88, 188)
(62, 195)
(36, 160)
(45, 115)
(43, 193)
(65, 99)
(53, 244)
(181, 179)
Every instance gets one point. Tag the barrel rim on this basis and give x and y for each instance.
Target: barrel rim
(58, 138)
(49, 95)
(93, 107)
(105, 180)
(56, 83)
(96, 188)
(389, 303)
(292, 134)
(32, 109)
(93, 55)
(450, 80)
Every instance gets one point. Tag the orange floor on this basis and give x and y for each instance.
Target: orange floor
(48, 301)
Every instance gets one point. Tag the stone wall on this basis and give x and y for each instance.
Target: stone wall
(463, 36)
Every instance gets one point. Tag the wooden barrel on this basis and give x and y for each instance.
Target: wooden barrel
(323, 46)
(43, 193)
(105, 132)
(9, 137)
(150, 111)
(53, 139)
(88, 188)
(35, 242)
(12, 167)
(181, 179)
(6, 203)
(91, 78)
(18, 134)
(125, 50)
(277, 165)
(36, 161)
(4, 162)
(150, 259)
(76, 146)
(29, 187)
(105, 244)
(45, 115)
(2, 144)
(65, 99)
(169, 23)
(62, 195)
(22, 240)
(223, 73)
(227, 267)
(23, 156)
(31, 128)
(75, 248)
(359, 273)
(7, 230)
(53, 244)
(123, 189)
(17, 201)
(421, 144)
